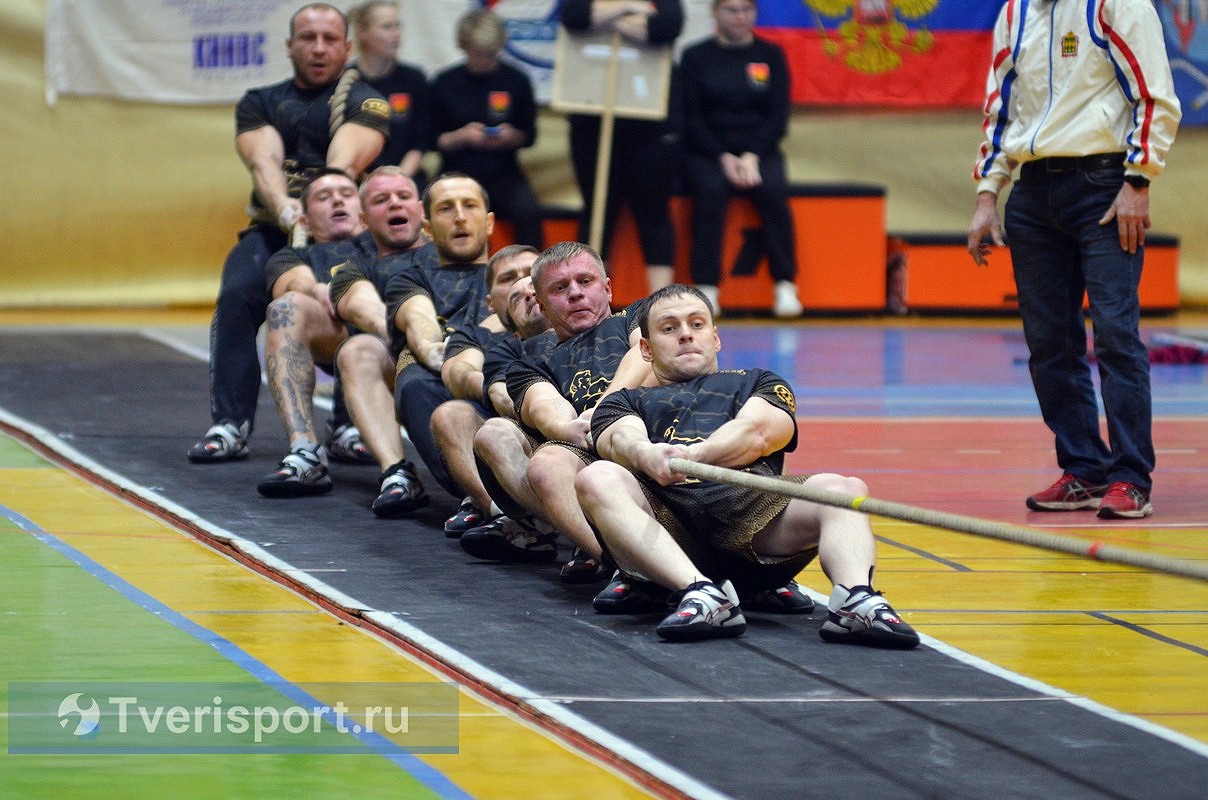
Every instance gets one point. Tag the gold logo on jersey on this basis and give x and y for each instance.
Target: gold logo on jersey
(1069, 45)
(785, 395)
(584, 387)
(873, 39)
(376, 107)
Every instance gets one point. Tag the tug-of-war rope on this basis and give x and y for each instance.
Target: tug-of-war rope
(1097, 551)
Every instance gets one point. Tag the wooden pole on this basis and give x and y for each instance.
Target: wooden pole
(604, 149)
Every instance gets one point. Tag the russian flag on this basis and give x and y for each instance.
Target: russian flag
(895, 53)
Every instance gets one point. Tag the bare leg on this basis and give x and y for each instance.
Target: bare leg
(612, 499)
(501, 445)
(454, 424)
(367, 373)
(846, 547)
(551, 474)
(658, 276)
(299, 329)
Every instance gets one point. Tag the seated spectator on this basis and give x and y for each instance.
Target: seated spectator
(377, 31)
(304, 329)
(736, 107)
(483, 113)
(710, 543)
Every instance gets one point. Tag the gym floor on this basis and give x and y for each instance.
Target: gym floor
(1042, 674)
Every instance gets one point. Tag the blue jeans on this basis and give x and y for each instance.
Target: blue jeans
(1059, 250)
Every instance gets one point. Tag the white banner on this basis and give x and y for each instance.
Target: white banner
(165, 51)
(196, 52)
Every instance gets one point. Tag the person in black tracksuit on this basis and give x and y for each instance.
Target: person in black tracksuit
(736, 107)
(377, 31)
(483, 113)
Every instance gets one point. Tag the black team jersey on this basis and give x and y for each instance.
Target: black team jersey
(302, 118)
(458, 291)
(323, 259)
(683, 413)
(582, 367)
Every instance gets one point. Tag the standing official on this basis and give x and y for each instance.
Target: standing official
(1080, 94)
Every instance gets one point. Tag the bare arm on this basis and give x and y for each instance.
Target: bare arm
(626, 17)
(362, 306)
(462, 374)
(627, 443)
(412, 160)
(353, 148)
(985, 222)
(759, 429)
(497, 393)
(417, 320)
(263, 153)
(545, 409)
(633, 371)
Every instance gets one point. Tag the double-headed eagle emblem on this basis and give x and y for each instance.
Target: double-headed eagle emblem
(872, 37)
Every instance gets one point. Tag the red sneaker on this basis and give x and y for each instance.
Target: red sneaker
(1124, 501)
(1067, 494)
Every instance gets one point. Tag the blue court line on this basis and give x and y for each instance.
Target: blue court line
(430, 777)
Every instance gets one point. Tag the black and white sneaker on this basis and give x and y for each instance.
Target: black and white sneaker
(225, 441)
(300, 474)
(706, 611)
(346, 446)
(788, 599)
(402, 492)
(506, 539)
(467, 516)
(626, 595)
(861, 616)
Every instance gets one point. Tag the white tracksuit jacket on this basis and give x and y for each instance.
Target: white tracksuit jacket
(1074, 78)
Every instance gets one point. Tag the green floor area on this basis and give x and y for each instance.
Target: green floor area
(60, 623)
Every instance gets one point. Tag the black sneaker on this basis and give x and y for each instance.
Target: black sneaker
(402, 492)
(706, 611)
(345, 445)
(861, 616)
(300, 474)
(582, 568)
(225, 441)
(788, 599)
(506, 539)
(626, 595)
(468, 516)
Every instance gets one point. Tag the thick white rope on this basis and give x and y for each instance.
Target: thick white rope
(1097, 551)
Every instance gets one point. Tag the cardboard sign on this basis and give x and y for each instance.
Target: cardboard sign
(595, 72)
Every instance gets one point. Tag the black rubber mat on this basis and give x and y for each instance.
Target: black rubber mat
(776, 713)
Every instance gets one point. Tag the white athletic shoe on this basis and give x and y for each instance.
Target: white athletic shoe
(706, 611)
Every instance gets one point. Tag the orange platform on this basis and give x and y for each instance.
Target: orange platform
(940, 276)
(841, 241)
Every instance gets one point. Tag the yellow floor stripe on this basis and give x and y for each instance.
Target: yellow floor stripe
(501, 756)
(1131, 640)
